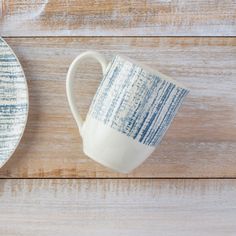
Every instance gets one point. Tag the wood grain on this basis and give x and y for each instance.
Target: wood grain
(117, 207)
(117, 18)
(201, 142)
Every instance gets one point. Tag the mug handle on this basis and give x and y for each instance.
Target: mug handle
(70, 79)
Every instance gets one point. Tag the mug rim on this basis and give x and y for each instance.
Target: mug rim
(152, 71)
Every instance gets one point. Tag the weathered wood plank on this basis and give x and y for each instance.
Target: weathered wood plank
(117, 18)
(117, 207)
(201, 141)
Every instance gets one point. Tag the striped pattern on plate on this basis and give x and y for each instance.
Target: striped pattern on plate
(13, 102)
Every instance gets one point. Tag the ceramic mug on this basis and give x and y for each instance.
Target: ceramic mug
(130, 112)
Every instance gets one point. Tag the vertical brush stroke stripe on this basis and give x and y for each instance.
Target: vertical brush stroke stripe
(136, 102)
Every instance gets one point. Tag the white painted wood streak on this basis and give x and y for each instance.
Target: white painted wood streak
(117, 207)
(118, 18)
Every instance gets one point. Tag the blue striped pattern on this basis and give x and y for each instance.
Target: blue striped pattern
(13, 102)
(136, 102)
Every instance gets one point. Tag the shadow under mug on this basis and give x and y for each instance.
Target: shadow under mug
(130, 112)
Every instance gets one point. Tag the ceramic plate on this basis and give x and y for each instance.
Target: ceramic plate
(13, 102)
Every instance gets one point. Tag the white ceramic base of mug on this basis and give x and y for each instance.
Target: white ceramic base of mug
(111, 148)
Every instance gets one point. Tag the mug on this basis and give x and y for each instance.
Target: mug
(130, 112)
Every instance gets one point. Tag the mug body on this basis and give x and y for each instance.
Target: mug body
(131, 111)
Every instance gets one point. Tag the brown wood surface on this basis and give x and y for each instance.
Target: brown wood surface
(117, 207)
(201, 142)
(117, 18)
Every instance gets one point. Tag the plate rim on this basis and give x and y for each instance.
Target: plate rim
(27, 112)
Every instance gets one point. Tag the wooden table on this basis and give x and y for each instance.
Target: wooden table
(188, 186)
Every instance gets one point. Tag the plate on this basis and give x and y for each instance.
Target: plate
(14, 102)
